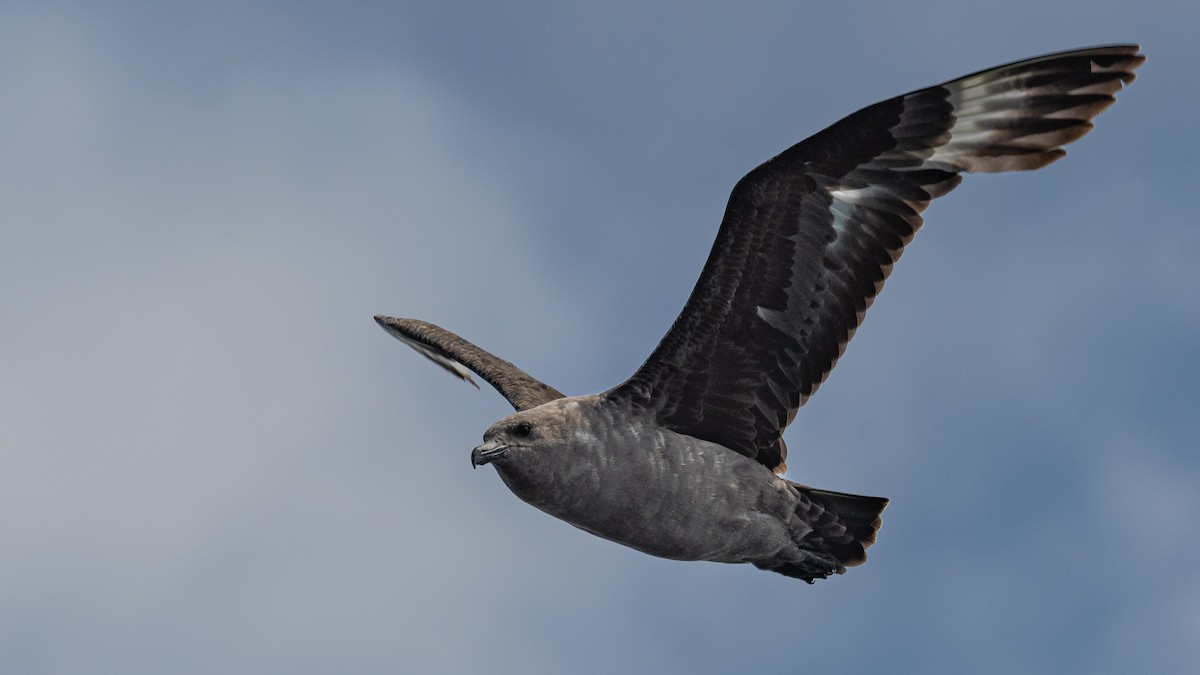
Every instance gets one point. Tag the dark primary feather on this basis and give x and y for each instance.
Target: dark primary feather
(452, 353)
(809, 236)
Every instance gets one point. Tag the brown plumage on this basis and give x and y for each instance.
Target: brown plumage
(679, 460)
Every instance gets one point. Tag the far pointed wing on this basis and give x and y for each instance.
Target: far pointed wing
(809, 237)
(457, 355)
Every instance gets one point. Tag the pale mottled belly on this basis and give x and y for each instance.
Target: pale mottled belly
(678, 498)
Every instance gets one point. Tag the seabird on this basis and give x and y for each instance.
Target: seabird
(682, 460)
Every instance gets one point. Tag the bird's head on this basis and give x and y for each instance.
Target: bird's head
(521, 435)
(513, 434)
(546, 433)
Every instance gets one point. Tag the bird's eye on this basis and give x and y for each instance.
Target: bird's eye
(522, 430)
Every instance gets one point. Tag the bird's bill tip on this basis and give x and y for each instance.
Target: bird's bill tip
(487, 453)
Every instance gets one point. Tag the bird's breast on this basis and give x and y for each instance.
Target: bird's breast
(663, 493)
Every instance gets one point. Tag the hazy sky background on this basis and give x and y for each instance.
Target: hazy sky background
(213, 461)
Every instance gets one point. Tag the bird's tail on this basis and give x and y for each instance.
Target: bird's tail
(842, 527)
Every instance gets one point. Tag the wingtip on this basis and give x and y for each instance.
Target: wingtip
(392, 326)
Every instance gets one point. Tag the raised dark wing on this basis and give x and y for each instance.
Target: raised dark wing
(809, 237)
(457, 355)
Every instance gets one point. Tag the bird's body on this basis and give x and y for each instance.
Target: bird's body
(614, 473)
(650, 488)
(682, 459)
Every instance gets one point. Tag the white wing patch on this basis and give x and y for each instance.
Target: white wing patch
(843, 205)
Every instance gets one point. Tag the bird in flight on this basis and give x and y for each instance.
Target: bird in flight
(683, 459)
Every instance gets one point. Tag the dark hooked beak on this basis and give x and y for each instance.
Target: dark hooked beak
(487, 452)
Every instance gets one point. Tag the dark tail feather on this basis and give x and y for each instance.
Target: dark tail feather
(843, 526)
(861, 517)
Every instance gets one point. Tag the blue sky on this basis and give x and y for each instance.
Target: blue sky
(214, 461)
